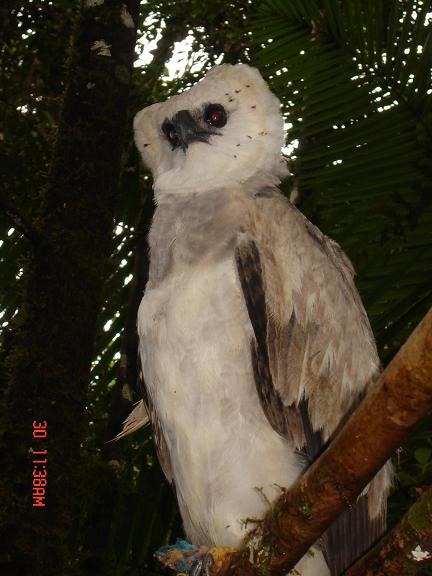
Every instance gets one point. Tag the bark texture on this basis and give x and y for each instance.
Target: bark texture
(399, 400)
(52, 344)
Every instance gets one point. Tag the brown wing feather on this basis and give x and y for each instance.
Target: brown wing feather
(286, 348)
(284, 419)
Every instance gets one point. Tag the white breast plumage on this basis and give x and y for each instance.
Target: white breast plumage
(221, 446)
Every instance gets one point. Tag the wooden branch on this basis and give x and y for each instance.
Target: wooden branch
(406, 549)
(399, 400)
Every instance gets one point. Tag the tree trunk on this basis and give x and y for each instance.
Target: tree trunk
(52, 346)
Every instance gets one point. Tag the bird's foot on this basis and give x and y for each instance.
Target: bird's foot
(192, 560)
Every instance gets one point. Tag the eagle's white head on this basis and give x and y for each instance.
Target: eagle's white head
(227, 128)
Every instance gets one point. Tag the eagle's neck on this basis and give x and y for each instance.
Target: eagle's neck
(177, 191)
(188, 228)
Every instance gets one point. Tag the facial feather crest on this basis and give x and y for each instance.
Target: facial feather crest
(248, 144)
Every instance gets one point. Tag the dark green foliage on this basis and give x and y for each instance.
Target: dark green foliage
(356, 92)
(49, 351)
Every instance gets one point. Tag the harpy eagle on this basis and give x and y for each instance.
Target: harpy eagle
(254, 343)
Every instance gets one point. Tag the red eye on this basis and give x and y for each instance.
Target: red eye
(215, 115)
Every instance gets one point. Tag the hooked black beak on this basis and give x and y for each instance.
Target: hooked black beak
(187, 130)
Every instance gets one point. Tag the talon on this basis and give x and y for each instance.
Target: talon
(201, 565)
(206, 562)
